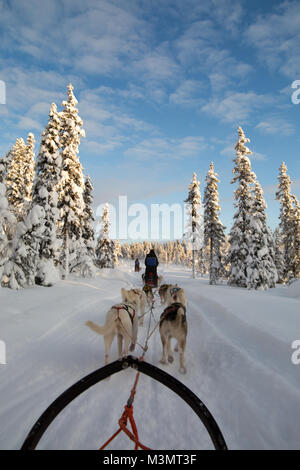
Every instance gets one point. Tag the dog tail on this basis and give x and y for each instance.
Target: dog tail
(101, 330)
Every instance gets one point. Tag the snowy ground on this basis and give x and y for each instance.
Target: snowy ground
(238, 362)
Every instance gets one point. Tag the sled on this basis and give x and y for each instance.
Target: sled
(151, 280)
(155, 373)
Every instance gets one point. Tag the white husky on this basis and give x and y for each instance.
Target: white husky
(121, 320)
(140, 298)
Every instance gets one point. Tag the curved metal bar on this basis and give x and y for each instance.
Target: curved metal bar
(161, 376)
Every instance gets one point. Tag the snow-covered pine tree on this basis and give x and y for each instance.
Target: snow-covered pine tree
(214, 235)
(19, 271)
(117, 252)
(28, 172)
(85, 262)
(5, 164)
(105, 246)
(71, 186)
(279, 259)
(239, 237)
(261, 268)
(194, 227)
(88, 219)
(48, 168)
(296, 238)
(7, 219)
(15, 180)
(286, 219)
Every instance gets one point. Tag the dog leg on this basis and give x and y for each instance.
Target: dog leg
(107, 341)
(134, 335)
(182, 369)
(164, 352)
(170, 355)
(120, 341)
(126, 346)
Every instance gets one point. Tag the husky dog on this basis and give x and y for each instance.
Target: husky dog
(149, 295)
(173, 324)
(121, 320)
(139, 297)
(176, 294)
(163, 290)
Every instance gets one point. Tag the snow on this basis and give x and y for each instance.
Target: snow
(238, 361)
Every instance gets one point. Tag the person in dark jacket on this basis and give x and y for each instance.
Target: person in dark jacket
(137, 265)
(151, 263)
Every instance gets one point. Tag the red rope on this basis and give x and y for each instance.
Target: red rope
(128, 414)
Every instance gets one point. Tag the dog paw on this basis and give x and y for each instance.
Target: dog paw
(182, 370)
(132, 347)
(176, 349)
(170, 358)
(163, 361)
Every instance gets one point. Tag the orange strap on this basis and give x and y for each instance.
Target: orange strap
(128, 414)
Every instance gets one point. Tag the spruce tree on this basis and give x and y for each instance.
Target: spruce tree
(286, 220)
(88, 219)
(214, 236)
(296, 238)
(85, 261)
(105, 246)
(48, 170)
(15, 180)
(5, 163)
(194, 227)
(71, 187)
(279, 258)
(117, 252)
(19, 271)
(239, 237)
(261, 268)
(7, 220)
(29, 168)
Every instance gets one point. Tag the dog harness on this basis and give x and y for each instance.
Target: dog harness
(174, 290)
(147, 288)
(126, 307)
(170, 313)
(136, 292)
(164, 286)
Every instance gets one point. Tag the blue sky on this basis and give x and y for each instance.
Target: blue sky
(162, 86)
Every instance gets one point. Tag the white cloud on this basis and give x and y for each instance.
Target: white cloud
(188, 93)
(236, 107)
(28, 124)
(276, 126)
(276, 36)
(165, 148)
